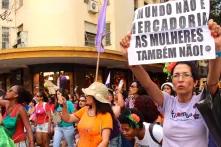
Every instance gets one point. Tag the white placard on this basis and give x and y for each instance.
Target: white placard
(172, 31)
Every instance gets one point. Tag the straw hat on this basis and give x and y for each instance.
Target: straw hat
(98, 90)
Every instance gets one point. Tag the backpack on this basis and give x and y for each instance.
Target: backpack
(44, 106)
(33, 116)
(151, 134)
(209, 107)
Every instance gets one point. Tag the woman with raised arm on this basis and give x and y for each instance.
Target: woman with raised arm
(95, 120)
(63, 129)
(183, 124)
(15, 118)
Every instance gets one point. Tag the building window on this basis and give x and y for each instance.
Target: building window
(21, 37)
(20, 28)
(90, 33)
(19, 40)
(5, 4)
(5, 37)
(108, 35)
(86, 1)
(89, 39)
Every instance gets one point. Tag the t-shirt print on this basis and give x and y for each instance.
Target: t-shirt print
(183, 115)
(143, 145)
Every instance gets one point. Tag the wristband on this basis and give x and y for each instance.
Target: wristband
(218, 54)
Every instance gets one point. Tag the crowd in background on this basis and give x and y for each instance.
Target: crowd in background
(142, 115)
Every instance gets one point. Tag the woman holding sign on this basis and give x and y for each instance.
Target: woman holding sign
(183, 124)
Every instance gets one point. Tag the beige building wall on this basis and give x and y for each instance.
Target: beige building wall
(62, 23)
(8, 20)
(52, 23)
(121, 15)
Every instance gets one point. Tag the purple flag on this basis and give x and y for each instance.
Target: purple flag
(101, 27)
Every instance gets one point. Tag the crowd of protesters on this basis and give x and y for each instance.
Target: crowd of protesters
(145, 115)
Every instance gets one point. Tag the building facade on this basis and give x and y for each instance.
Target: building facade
(45, 39)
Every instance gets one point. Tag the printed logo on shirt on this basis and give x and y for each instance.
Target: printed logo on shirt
(183, 116)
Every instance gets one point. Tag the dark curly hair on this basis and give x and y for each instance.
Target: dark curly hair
(64, 93)
(24, 96)
(103, 108)
(41, 93)
(193, 68)
(145, 105)
(124, 118)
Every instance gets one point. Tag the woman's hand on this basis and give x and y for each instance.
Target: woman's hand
(125, 43)
(214, 65)
(105, 138)
(215, 30)
(61, 100)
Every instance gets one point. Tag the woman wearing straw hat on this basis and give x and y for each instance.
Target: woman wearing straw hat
(95, 121)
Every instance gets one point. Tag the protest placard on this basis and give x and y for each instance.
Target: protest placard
(171, 31)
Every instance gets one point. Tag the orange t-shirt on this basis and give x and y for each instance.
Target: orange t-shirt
(90, 127)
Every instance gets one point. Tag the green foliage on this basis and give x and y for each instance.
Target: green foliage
(215, 10)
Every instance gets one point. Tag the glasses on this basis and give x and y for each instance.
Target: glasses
(183, 75)
(82, 100)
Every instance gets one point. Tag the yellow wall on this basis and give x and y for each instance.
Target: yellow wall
(62, 23)
(52, 23)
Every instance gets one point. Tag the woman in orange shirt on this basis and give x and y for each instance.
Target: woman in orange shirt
(95, 121)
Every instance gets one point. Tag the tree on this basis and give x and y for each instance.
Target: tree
(215, 10)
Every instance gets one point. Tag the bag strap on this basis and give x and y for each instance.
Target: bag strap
(44, 106)
(151, 134)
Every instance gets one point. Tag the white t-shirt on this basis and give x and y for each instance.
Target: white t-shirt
(183, 124)
(147, 141)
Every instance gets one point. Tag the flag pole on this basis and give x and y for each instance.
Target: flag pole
(97, 67)
(101, 29)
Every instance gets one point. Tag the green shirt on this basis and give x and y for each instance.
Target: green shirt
(70, 108)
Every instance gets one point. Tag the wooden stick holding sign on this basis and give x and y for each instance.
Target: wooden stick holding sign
(97, 66)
